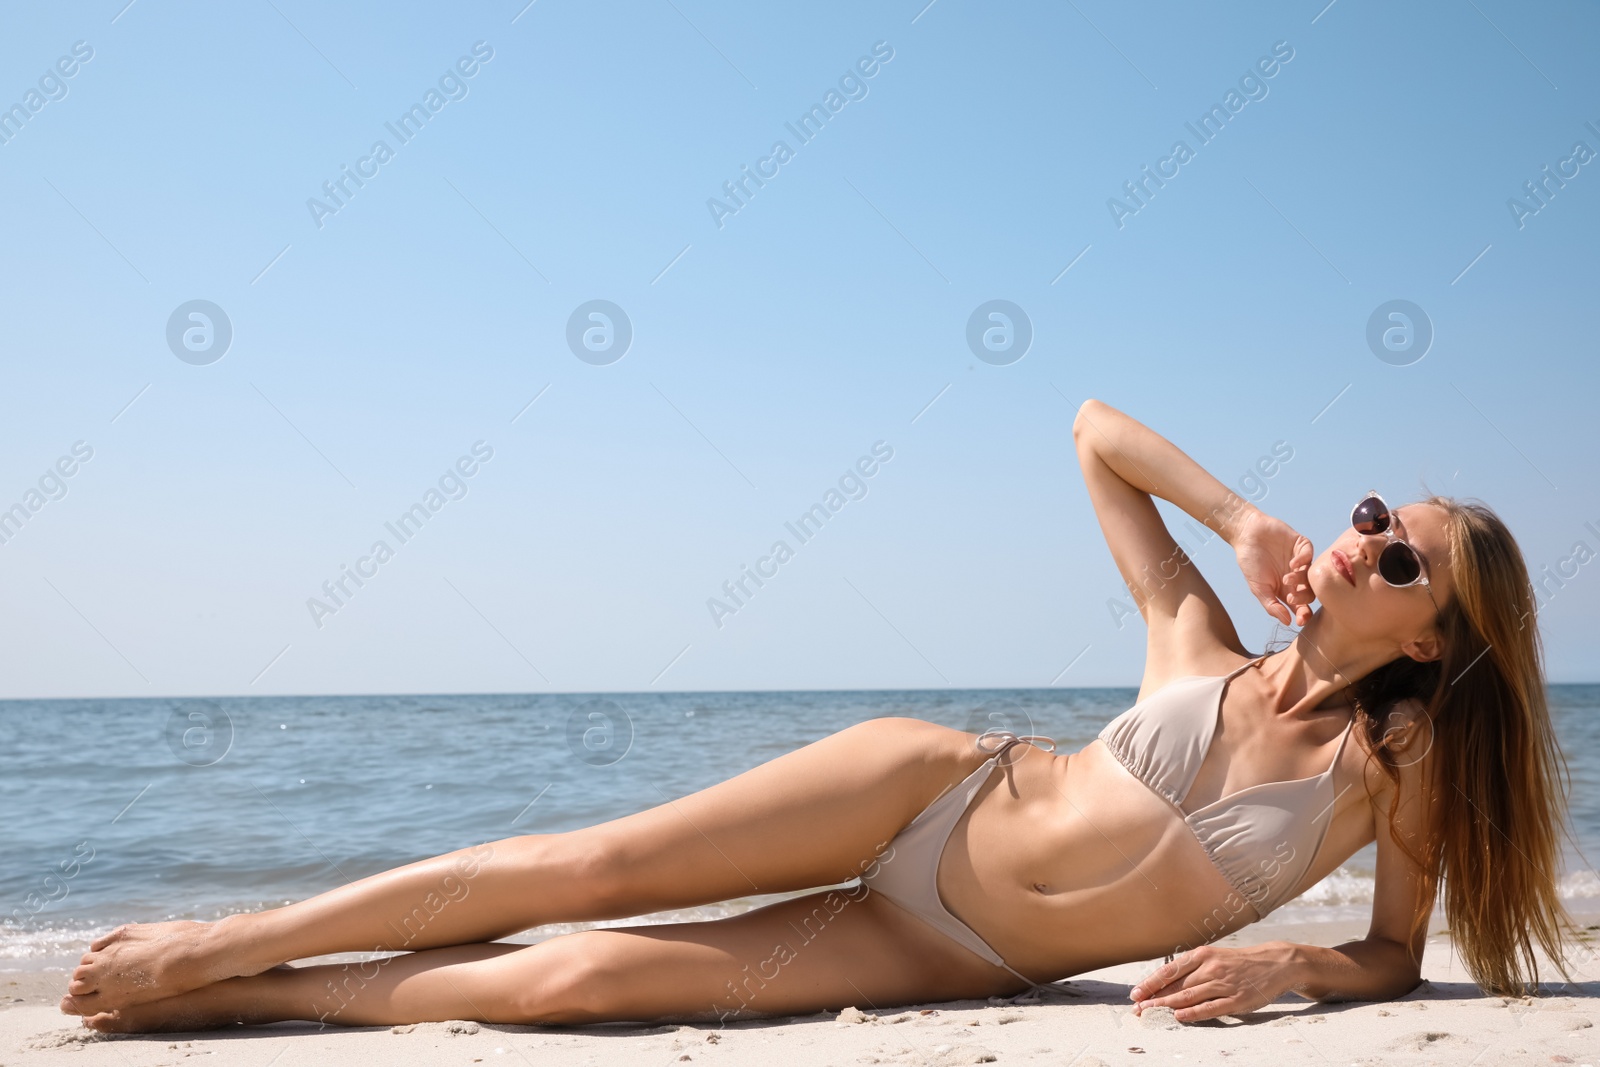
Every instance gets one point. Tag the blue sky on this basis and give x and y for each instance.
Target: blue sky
(374, 346)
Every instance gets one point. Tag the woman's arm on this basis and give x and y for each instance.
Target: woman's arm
(1388, 962)
(1214, 980)
(1374, 968)
(1124, 463)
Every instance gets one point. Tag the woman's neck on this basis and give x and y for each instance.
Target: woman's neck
(1317, 669)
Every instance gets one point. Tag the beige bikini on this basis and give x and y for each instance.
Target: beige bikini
(1263, 838)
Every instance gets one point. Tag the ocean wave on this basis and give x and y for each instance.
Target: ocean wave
(1344, 886)
(1580, 885)
(1356, 886)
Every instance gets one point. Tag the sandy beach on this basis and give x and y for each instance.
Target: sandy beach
(1082, 1023)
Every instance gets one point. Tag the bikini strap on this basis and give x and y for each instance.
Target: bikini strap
(1338, 752)
(1000, 742)
(1244, 667)
(1033, 987)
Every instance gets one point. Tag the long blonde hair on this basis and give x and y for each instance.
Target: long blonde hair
(1497, 799)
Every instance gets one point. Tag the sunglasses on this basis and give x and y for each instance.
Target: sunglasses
(1398, 564)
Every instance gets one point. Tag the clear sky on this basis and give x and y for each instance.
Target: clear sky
(935, 158)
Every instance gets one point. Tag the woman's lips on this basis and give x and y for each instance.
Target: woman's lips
(1341, 563)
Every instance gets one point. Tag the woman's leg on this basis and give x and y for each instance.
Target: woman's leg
(813, 817)
(823, 951)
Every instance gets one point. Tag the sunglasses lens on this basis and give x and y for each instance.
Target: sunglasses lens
(1370, 516)
(1399, 565)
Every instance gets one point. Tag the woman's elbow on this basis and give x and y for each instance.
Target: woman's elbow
(1083, 421)
(1371, 969)
(1390, 987)
(1409, 981)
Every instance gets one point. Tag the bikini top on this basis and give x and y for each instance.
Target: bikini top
(1262, 838)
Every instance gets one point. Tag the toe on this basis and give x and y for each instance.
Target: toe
(101, 942)
(105, 1022)
(76, 1005)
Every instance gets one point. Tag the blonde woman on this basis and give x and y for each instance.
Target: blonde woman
(1409, 710)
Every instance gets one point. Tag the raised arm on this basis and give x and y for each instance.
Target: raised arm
(1124, 463)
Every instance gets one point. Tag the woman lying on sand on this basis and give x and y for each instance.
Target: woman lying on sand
(1409, 709)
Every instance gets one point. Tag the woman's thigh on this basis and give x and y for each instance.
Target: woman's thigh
(813, 817)
(823, 951)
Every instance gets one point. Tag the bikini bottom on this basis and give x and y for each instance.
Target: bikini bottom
(909, 875)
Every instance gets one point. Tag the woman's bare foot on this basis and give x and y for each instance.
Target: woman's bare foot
(477, 982)
(209, 1008)
(144, 962)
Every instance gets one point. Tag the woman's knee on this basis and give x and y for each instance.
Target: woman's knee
(899, 733)
(468, 864)
(586, 873)
(577, 978)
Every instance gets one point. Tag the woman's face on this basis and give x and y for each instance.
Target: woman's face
(1346, 581)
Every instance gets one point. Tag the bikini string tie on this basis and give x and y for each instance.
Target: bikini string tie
(997, 742)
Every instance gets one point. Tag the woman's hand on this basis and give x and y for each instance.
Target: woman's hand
(1211, 981)
(1276, 561)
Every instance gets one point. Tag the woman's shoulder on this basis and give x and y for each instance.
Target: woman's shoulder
(1403, 730)
(1203, 660)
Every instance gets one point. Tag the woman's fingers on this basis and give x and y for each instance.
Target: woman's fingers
(1297, 583)
(1283, 605)
(1213, 1009)
(1159, 979)
(1208, 1000)
(1276, 560)
(1303, 553)
(1296, 596)
(1230, 983)
(1182, 1000)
